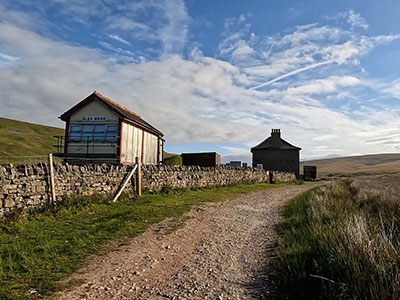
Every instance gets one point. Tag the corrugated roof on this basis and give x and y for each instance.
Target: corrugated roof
(120, 110)
(267, 144)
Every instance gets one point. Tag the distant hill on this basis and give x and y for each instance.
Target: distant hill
(26, 139)
(376, 164)
(171, 159)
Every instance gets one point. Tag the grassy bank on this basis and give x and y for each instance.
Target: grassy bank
(170, 159)
(36, 252)
(26, 139)
(341, 241)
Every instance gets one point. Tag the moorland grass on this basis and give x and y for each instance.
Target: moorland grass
(341, 241)
(172, 160)
(26, 139)
(36, 252)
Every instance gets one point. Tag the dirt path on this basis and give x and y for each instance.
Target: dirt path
(221, 253)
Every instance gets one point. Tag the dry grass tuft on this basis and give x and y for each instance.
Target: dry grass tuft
(349, 234)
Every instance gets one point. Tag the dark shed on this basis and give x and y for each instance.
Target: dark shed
(276, 154)
(204, 159)
(310, 172)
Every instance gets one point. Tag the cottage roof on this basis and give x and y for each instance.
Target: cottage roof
(120, 110)
(267, 145)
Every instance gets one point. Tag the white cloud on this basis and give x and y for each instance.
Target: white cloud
(170, 27)
(294, 12)
(308, 48)
(356, 20)
(121, 22)
(205, 99)
(324, 138)
(235, 46)
(19, 18)
(384, 39)
(390, 87)
(173, 35)
(124, 18)
(6, 60)
(306, 34)
(242, 50)
(236, 150)
(321, 86)
(119, 39)
(80, 10)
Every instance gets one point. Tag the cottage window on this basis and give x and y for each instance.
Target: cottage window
(98, 134)
(90, 133)
(87, 132)
(75, 133)
(111, 133)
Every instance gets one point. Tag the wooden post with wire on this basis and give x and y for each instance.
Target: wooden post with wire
(51, 179)
(139, 177)
(125, 183)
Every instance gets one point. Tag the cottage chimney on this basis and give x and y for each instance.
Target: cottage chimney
(276, 138)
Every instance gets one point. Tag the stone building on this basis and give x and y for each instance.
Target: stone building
(276, 154)
(100, 130)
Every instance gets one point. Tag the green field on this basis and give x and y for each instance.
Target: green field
(26, 139)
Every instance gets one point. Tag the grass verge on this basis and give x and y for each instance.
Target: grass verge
(36, 252)
(341, 241)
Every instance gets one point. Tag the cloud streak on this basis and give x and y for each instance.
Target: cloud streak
(119, 39)
(291, 73)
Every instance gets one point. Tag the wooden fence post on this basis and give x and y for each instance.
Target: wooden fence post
(139, 177)
(124, 184)
(52, 188)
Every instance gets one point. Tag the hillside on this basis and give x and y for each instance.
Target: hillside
(171, 159)
(26, 139)
(376, 164)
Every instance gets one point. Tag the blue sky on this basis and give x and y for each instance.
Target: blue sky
(213, 75)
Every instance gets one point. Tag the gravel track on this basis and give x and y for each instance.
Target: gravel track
(222, 252)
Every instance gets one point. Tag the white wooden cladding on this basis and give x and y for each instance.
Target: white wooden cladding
(93, 109)
(131, 143)
(133, 139)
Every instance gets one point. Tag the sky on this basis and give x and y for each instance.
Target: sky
(213, 75)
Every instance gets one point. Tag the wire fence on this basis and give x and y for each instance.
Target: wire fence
(13, 161)
(26, 160)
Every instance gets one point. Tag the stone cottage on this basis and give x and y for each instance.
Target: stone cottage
(276, 154)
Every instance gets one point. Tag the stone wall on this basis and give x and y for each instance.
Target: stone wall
(27, 187)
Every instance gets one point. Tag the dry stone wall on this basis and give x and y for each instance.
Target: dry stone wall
(27, 187)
